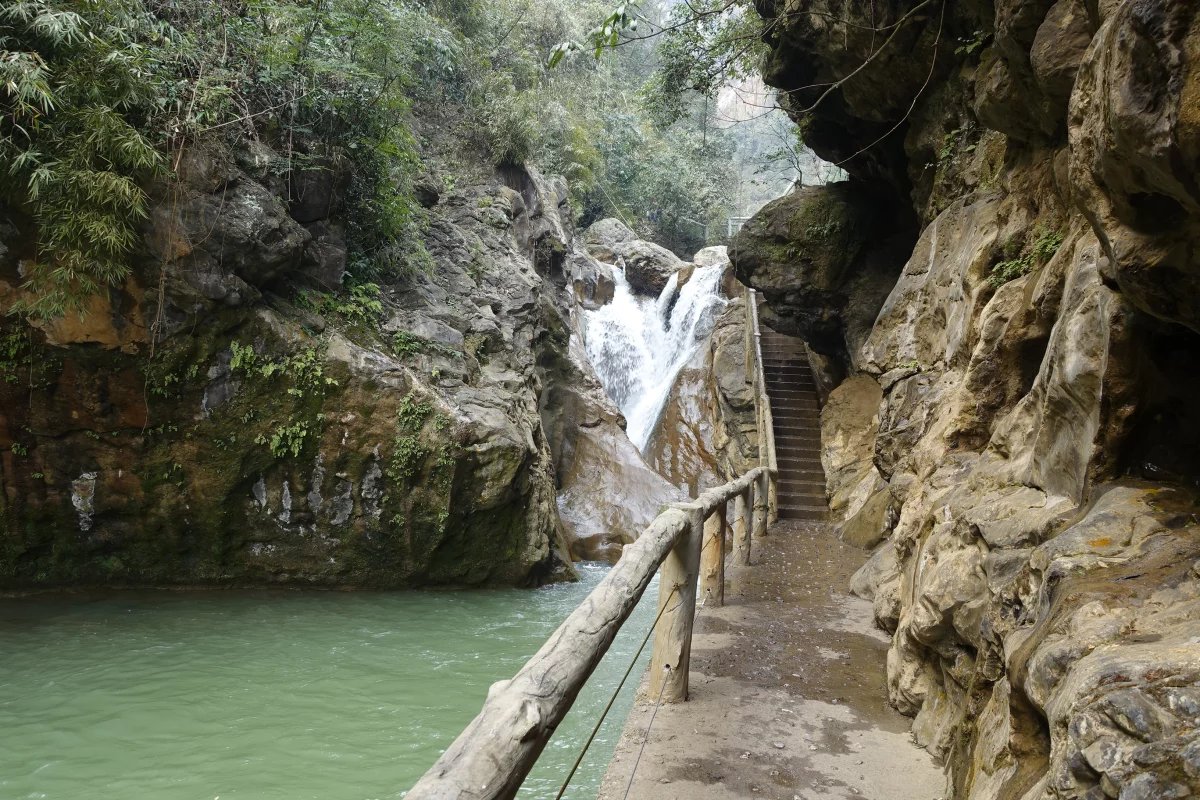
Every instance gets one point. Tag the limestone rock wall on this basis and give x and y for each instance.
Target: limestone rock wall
(1018, 441)
(207, 424)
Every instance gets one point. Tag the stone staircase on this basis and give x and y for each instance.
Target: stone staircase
(793, 393)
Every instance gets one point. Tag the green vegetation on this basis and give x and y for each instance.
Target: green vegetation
(287, 440)
(98, 101)
(73, 86)
(303, 374)
(1021, 260)
(359, 304)
(303, 370)
(407, 450)
(406, 344)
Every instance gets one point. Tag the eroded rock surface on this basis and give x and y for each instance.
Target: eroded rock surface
(208, 424)
(1006, 433)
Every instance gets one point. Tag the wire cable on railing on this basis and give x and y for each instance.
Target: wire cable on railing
(613, 699)
(646, 737)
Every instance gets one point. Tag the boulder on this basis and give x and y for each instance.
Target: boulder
(715, 256)
(609, 494)
(240, 236)
(592, 281)
(1058, 49)
(648, 266)
(807, 253)
(608, 232)
(849, 424)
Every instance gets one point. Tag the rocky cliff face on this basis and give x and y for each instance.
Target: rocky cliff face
(1018, 439)
(207, 424)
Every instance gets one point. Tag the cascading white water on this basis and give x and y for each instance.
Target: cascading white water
(638, 345)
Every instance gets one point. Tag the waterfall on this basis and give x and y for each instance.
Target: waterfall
(638, 345)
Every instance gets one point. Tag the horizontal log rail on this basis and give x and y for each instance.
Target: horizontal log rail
(496, 751)
(764, 419)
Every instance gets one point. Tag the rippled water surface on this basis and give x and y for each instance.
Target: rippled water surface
(265, 695)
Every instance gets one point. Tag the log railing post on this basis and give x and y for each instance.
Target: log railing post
(773, 499)
(712, 560)
(677, 592)
(742, 504)
(761, 504)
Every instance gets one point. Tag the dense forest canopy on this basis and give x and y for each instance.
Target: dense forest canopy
(98, 100)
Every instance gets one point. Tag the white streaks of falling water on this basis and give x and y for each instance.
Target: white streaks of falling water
(638, 345)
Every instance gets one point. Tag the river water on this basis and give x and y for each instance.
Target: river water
(274, 695)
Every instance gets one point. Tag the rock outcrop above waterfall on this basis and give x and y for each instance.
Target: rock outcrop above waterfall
(821, 256)
(648, 266)
(210, 425)
(1022, 429)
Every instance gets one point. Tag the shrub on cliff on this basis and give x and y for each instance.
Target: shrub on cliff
(73, 88)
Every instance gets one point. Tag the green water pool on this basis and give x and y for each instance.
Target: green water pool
(276, 695)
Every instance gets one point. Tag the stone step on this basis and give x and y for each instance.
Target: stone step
(793, 474)
(793, 451)
(804, 512)
(790, 463)
(808, 441)
(786, 448)
(796, 417)
(796, 406)
(781, 373)
(787, 427)
(796, 473)
(796, 423)
(808, 491)
(790, 466)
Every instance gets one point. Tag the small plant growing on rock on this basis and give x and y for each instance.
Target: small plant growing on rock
(361, 303)
(405, 344)
(305, 368)
(407, 450)
(288, 440)
(1020, 261)
(412, 413)
(969, 44)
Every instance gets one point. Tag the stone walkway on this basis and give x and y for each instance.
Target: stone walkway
(787, 693)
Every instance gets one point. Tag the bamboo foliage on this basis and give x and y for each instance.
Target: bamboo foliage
(73, 161)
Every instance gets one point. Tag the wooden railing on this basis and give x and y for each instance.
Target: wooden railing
(764, 419)
(495, 752)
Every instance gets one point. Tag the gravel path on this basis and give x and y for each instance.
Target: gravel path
(787, 693)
